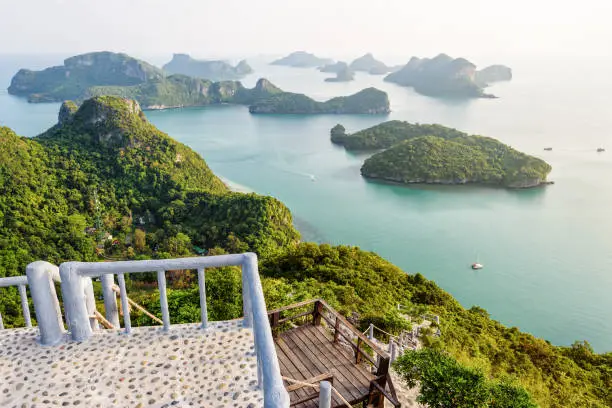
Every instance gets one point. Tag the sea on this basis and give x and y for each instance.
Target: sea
(547, 252)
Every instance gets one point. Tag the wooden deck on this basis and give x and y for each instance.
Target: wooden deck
(307, 352)
(316, 343)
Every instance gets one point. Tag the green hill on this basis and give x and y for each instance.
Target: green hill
(461, 160)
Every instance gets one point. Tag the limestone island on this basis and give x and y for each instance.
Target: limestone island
(71, 80)
(344, 75)
(368, 63)
(493, 73)
(334, 68)
(302, 59)
(435, 154)
(212, 70)
(368, 101)
(444, 76)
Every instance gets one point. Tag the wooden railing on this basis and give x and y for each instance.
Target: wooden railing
(363, 348)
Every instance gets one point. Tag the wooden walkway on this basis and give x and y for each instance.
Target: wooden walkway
(308, 352)
(316, 343)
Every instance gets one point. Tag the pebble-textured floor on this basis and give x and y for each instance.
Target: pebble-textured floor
(186, 367)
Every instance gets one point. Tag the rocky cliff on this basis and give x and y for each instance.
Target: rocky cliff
(368, 63)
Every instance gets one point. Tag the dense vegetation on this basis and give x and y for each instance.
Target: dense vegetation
(443, 382)
(105, 167)
(212, 70)
(386, 134)
(105, 171)
(468, 159)
(369, 100)
(441, 76)
(79, 73)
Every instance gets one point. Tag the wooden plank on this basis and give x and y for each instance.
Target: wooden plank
(294, 341)
(302, 355)
(293, 365)
(340, 357)
(303, 339)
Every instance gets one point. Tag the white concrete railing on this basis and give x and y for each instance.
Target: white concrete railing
(76, 277)
(20, 282)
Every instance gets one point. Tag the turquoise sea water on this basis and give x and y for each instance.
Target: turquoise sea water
(547, 252)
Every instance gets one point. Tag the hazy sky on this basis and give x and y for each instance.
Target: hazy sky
(332, 28)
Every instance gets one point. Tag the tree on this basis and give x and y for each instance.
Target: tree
(140, 241)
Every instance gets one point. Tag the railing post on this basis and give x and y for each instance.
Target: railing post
(274, 318)
(203, 307)
(275, 394)
(74, 302)
(316, 313)
(1, 322)
(24, 305)
(125, 307)
(163, 299)
(246, 292)
(336, 330)
(357, 351)
(90, 303)
(46, 306)
(371, 331)
(110, 300)
(325, 394)
(393, 351)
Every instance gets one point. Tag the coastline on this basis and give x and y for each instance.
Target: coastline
(235, 187)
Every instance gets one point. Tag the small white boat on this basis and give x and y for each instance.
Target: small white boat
(313, 178)
(477, 265)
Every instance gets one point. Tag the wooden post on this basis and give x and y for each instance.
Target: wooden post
(336, 330)
(383, 366)
(274, 318)
(316, 314)
(357, 351)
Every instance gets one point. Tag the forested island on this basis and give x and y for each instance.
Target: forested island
(435, 154)
(104, 170)
(444, 76)
(335, 67)
(302, 59)
(211, 70)
(369, 101)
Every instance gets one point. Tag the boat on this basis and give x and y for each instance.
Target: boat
(548, 149)
(600, 149)
(477, 265)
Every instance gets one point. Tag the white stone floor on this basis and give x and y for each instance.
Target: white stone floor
(186, 367)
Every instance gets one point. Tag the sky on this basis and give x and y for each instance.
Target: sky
(330, 28)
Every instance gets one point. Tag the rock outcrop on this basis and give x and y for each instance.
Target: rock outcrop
(334, 68)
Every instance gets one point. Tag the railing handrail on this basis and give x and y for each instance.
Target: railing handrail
(356, 332)
(20, 282)
(254, 307)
